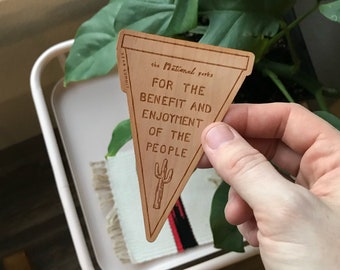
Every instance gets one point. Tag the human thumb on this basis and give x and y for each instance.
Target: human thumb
(243, 167)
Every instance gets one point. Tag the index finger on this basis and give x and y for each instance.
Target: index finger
(308, 136)
(291, 123)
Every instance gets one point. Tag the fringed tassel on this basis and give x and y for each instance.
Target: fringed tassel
(102, 187)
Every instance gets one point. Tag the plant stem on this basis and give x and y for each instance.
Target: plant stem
(293, 24)
(308, 82)
(293, 53)
(278, 83)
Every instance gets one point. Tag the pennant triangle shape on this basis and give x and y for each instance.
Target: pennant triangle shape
(175, 88)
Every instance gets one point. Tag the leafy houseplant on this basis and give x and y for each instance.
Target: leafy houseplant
(262, 28)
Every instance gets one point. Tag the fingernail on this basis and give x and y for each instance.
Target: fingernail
(218, 135)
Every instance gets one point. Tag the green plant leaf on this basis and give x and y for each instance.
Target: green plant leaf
(144, 16)
(331, 10)
(120, 136)
(93, 53)
(330, 118)
(242, 24)
(157, 18)
(184, 17)
(225, 235)
(240, 30)
(94, 48)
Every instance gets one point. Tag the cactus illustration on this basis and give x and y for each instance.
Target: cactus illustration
(164, 176)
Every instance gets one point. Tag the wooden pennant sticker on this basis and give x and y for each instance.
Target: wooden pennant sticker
(175, 88)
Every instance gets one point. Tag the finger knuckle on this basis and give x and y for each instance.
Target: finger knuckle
(245, 162)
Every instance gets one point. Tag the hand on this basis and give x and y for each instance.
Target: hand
(296, 225)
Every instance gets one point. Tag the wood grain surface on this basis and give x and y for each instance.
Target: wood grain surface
(175, 88)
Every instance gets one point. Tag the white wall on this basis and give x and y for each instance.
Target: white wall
(27, 28)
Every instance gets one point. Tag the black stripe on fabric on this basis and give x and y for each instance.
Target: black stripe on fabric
(183, 226)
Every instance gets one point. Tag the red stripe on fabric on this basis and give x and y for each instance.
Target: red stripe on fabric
(180, 208)
(175, 232)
